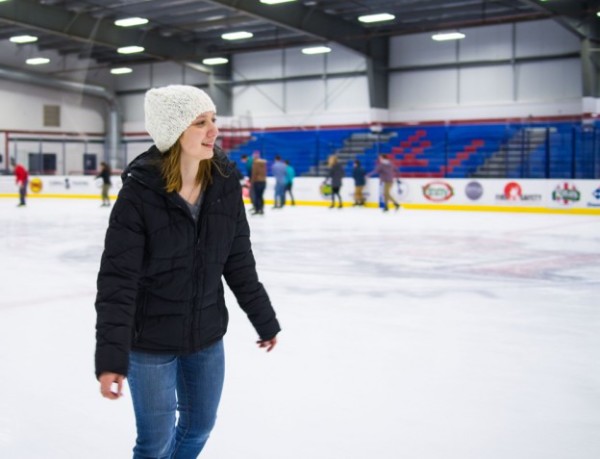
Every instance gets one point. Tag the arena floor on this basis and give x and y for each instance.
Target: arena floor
(413, 335)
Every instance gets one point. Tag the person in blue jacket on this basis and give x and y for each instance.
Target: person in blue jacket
(290, 174)
(359, 175)
(278, 169)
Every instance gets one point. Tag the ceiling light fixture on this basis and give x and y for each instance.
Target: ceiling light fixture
(130, 49)
(215, 61)
(130, 22)
(37, 61)
(23, 39)
(316, 50)
(445, 36)
(275, 2)
(121, 71)
(237, 35)
(379, 17)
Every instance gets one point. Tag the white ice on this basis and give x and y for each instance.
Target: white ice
(409, 335)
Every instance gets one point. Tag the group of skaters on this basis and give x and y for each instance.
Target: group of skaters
(256, 181)
(384, 168)
(22, 180)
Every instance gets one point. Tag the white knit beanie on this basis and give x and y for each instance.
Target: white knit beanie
(171, 109)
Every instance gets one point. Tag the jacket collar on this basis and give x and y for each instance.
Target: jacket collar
(146, 169)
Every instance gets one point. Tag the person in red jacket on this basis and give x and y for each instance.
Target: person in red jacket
(21, 178)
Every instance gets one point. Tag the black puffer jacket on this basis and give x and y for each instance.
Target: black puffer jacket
(159, 285)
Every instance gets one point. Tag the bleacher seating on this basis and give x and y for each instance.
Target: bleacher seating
(455, 151)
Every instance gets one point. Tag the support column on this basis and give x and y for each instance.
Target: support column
(377, 72)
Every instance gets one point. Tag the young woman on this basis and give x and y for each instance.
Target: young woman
(177, 227)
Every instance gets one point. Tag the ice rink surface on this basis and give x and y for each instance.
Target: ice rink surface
(409, 335)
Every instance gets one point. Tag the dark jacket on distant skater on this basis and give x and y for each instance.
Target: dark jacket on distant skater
(159, 285)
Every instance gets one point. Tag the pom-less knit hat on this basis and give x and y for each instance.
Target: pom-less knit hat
(171, 109)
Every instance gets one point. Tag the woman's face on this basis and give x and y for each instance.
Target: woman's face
(198, 140)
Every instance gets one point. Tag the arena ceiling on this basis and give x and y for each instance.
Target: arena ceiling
(191, 30)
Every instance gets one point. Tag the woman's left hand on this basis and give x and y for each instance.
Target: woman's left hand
(268, 343)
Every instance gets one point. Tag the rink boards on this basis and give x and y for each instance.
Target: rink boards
(513, 195)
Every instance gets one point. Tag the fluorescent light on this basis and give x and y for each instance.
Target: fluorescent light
(130, 49)
(37, 61)
(316, 50)
(121, 71)
(376, 17)
(236, 35)
(448, 36)
(275, 2)
(23, 39)
(215, 61)
(130, 22)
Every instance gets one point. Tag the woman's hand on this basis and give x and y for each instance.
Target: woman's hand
(268, 343)
(106, 385)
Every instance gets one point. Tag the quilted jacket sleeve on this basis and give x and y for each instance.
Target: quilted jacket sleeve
(117, 284)
(242, 278)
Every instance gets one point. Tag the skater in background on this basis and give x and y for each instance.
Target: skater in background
(290, 174)
(21, 179)
(247, 171)
(335, 175)
(178, 227)
(387, 175)
(359, 175)
(279, 173)
(106, 184)
(259, 184)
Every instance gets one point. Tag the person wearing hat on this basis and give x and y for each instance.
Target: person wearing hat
(178, 226)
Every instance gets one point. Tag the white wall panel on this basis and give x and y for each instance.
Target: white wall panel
(420, 49)
(347, 94)
(79, 113)
(541, 38)
(423, 89)
(263, 64)
(132, 107)
(342, 59)
(482, 85)
(194, 77)
(165, 73)
(551, 80)
(263, 99)
(297, 64)
(486, 43)
(305, 96)
(139, 78)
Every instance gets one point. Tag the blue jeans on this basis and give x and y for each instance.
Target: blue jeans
(160, 386)
(279, 194)
(23, 193)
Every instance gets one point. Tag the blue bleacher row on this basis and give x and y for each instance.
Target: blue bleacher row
(569, 149)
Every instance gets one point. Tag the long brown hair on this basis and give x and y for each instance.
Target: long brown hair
(171, 170)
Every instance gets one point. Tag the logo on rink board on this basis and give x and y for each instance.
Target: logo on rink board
(474, 191)
(513, 192)
(596, 195)
(566, 194)
(438, 191)
(36, 185)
